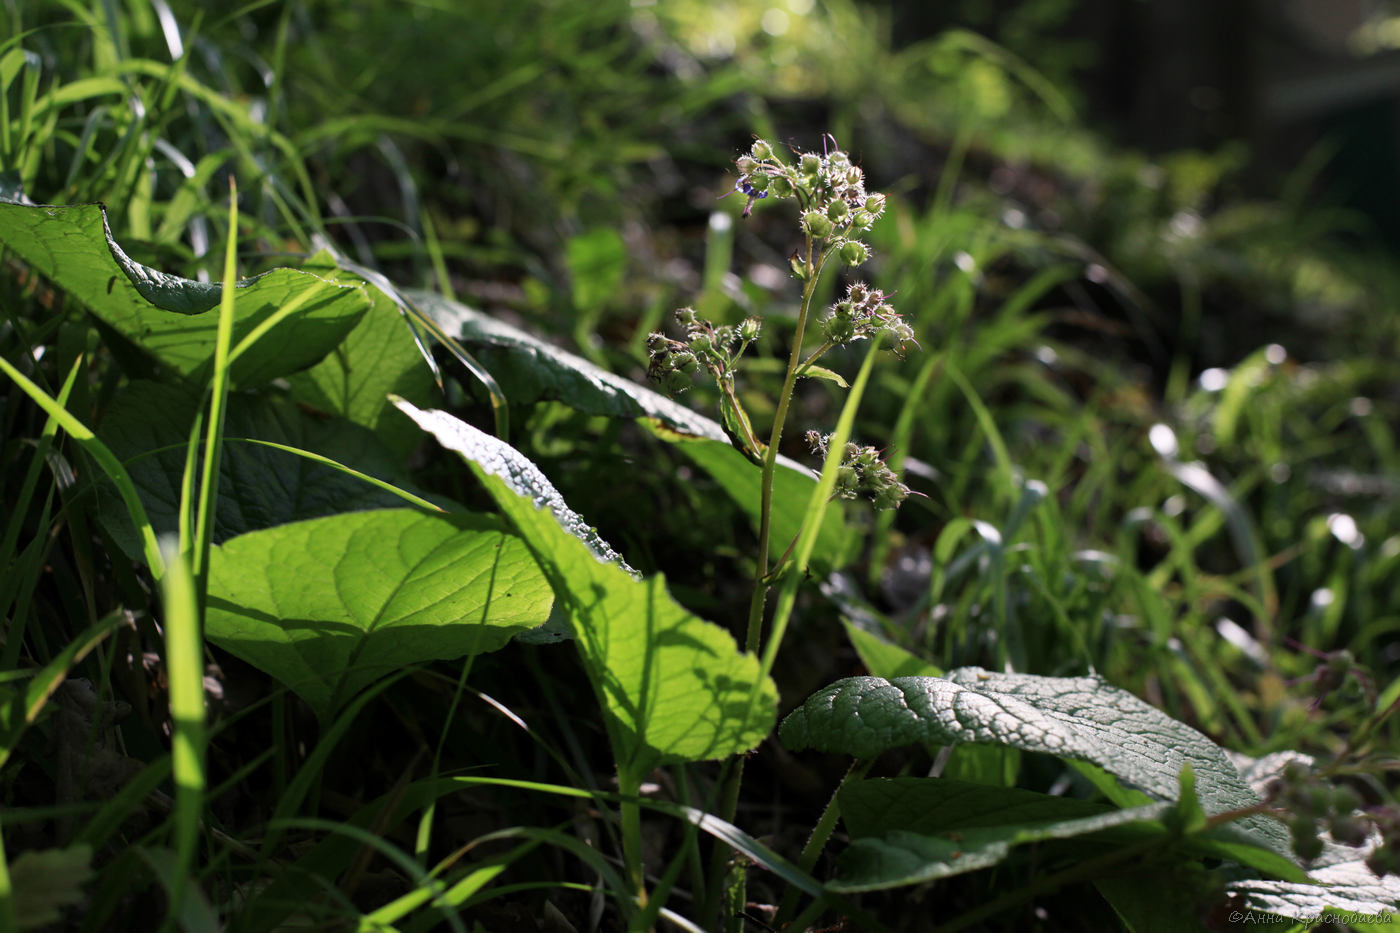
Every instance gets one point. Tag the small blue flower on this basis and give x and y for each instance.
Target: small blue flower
(745, 187)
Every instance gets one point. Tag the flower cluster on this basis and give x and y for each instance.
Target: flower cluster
(1314, 803)
(829, 188)
(717, 349)
(864, 313)
(862, 471)
(835, 211)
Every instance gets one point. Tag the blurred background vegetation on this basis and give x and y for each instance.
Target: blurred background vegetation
(1105, 216)
(1148, 249)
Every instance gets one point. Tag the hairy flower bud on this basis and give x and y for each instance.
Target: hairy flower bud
(875, 204)
(761, 150)
(837, 211)
(839, 328)
(746, 165)
(676, 383)
(890, 497)
(780, 186)
(854, 252)
(816, 223)
(811, 163)
(749, 328)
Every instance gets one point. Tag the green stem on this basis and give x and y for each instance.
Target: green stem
(817, 841)
(816, 355)
(754, 636)
(734, 778)
(630, 811)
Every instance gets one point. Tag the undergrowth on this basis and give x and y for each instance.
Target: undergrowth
(337, 594)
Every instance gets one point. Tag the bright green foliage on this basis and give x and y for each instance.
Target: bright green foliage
(260, 486)
(1080, 718)
(674, 686)
(531, 369)
(73, 247)
(379, 357)
(329, 605)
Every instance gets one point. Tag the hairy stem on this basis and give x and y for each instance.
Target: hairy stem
(754, 636)
(734, 778)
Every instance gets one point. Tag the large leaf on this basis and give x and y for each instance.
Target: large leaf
(901, 858)
(914, 829)
(73, 247)
(674, 687)
(1340, 881)
(329, 605)
(1337, 880)
(379, 357)
(1080, 718)
(530, 369)
(259, 487)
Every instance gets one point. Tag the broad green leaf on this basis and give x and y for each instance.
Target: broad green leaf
(1340, 881)
(900, 857)
(329, 605)
(674, 687)
(941, 807)
(982, 764)
(530, 369)
(74, 249)
(259, 487)
(1080, 718)
(46, 881)
(926, 806)
(378, 358)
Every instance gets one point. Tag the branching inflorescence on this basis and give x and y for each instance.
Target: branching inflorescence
(836, 211)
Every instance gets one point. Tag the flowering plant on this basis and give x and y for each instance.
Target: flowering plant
(835, 211)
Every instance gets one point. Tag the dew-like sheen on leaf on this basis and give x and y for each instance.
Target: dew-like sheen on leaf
(1080, 718)
(675, 687)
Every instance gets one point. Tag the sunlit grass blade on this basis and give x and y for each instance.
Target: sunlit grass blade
(184, 664)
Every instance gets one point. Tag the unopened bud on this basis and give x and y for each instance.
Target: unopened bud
(749, 328)
(839, 328)
(761, 150)
(816, 223)
(854, 252)
(891, 496)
